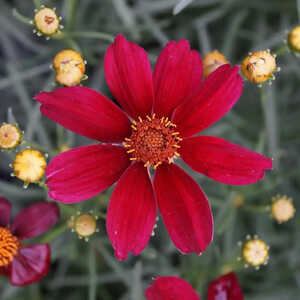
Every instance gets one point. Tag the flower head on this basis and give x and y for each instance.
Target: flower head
(212, 61)
(282, 209)
(69, 66)
(225, 287)
(25, 264)
(29, 165)
(294, 39)
(259, 66)
(161, 114)
(10, 136)
(46, 21)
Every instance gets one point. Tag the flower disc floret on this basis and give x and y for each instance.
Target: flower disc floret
(85, 225)
(9, 246)
(259, 66)
(46, 21)
(10, 136)
(153, 141)
(29, 165)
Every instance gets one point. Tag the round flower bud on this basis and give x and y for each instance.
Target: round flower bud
(282, 209)
(255, 252)
(212, 61)
(238, 200)
(46, 21)
(10, 136)
(84, 224)
(29, 165)
(69, 66)
(259, 66)
(294, 39)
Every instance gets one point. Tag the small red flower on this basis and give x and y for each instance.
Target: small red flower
(25, 264)
(225, 287)
(162, 113)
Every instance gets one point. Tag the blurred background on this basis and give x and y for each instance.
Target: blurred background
(265, 120)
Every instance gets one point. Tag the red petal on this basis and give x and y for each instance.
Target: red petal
(129, 77)
(131, 212)
(218, 94)
(84, 172)
(86, 112)
(5, 209)
(184, 208)
(223, 161)
(35, 220)
(171, 288)
(177, 74)
(225, 287)
(30, 265)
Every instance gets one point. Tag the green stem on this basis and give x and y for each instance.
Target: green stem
(21, 18)
(282, 50)
(85, 34)
(256, 208)
(55, 232)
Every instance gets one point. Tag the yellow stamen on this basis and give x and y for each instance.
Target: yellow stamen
(176, 153)
(133, 127)
(130, 151)
(132, 158)
(147, 164)
(153, 116)
(127, 139)
(155, 166)
(149, 119)
(140, 119)
(176, 146)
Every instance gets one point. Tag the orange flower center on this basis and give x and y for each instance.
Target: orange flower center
(9, 246)
(153, 141)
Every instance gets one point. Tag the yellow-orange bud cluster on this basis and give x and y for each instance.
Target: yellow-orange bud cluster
(69, 67)
(10, 136)
(294, 39)
(255, 252)
(212, 61)
(29, 165)
(46, 21)
(282, 209)
(259, 66)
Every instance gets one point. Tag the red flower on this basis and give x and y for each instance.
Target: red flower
(25, 264)
(225, 287)
(166, 110)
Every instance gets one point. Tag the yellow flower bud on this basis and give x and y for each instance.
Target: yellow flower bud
(84, 224)
(10, 136)
(29, 165)
(255, 252)
(212, 61)
(238, 200)
(46, 21)
(294, 39)
(69, 66)
(259, 66)
(282, 209)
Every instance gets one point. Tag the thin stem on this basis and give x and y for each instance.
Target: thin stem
(21, 18)
(55, 232)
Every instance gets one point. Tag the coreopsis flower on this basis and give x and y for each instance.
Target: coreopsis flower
(25, 264)
(161, 114)
(226, 287)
